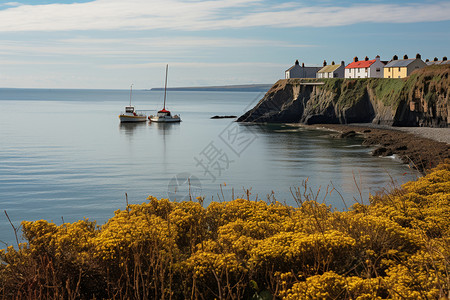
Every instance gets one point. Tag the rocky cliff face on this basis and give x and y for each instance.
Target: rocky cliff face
(419, 100)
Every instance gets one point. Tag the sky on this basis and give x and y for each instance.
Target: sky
(111, 44)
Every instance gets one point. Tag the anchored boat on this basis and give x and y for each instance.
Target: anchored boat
(130, 114)
(164, 116)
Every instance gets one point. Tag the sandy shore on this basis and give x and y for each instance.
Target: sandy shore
(422, 148)
(436, 134)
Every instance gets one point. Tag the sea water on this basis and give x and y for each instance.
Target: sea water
(64, 156)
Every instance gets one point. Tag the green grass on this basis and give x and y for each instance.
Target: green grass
(388, 90)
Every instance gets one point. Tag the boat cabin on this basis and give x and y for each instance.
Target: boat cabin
(129, 109)
(163, 113)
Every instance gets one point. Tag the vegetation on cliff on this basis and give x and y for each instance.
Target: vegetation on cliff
(398, 247)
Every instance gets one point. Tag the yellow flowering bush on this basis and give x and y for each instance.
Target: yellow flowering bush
(300, 252)
(398, 247)
(330, 285)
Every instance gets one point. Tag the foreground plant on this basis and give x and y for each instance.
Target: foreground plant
(398, 247)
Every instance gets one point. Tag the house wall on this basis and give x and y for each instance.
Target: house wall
(415, 65)
(376, 69)
(396, 72)
(293, 72)
(339, 72)
(357, 73)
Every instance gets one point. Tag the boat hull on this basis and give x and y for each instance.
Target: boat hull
(164, 120)
(132, 119)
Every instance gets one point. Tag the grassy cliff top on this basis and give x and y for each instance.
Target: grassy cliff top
(390, 91)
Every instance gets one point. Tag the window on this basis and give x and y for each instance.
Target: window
(378, 70)
(399, 69)
(367, 70)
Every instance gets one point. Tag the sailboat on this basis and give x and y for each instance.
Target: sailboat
(130, 114)
(164, 116)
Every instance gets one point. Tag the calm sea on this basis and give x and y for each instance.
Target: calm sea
(65, 156)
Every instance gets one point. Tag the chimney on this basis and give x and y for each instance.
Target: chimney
(405, 56)
(435, 59)
(355, 59)
(444, 58)
(332, 63)
(366, 58)
(324, 62)
(418, 55)
(296, 62)
(343, 63)
(395, 57)
(303, 65)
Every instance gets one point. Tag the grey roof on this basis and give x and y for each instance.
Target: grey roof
(399, 63)
(290, 68)
(304, 68)
(439, 62)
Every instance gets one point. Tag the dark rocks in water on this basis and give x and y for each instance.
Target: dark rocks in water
(223, 117)
(347, 134)
(382, 151)
(419, 152)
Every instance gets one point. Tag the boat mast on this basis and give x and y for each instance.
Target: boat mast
(131, 90)
(165, 87)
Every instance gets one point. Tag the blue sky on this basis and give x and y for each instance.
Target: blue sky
(113, 43)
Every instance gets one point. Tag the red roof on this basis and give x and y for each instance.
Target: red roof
(361, 64)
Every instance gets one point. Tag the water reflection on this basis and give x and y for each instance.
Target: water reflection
(164, 128)
(129, 128)
(299, 154)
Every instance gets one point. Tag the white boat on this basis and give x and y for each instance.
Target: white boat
(130, 114)
(164, 116)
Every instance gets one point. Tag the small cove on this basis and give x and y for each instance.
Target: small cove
(65, 156)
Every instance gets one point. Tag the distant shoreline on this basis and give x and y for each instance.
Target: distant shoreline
(224, 88)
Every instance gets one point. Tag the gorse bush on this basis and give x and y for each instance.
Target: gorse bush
(398, 247)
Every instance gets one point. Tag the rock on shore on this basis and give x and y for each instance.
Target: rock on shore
(419, 152)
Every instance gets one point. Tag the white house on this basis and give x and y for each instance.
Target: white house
(297, 71)
(365, 69)
(332, 71)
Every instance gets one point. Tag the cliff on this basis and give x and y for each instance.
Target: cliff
(422, 99)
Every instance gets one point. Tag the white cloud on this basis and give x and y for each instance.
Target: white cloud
(202, 65)
(143, 47)
(11, 4)
(207, 15)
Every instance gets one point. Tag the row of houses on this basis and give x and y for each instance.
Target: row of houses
(367, 68)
